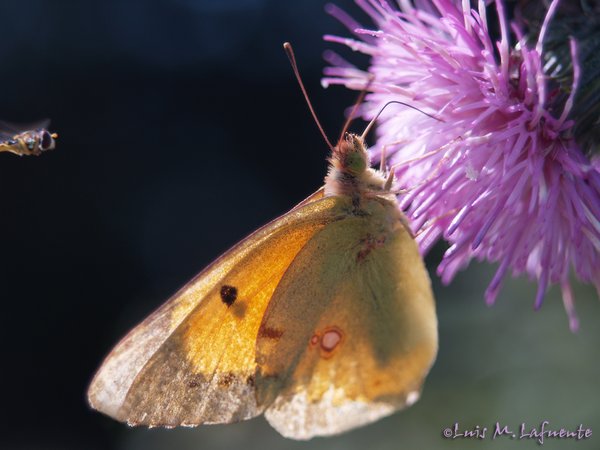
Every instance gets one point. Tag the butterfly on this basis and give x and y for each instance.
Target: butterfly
(324, 320)
(28, 142)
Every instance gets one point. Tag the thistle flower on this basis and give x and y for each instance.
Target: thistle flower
(500, 175)
(579, 21)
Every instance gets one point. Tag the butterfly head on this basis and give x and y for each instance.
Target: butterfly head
(350, 156)
(349, 171)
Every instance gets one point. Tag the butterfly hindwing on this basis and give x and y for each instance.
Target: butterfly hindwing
(193, 360)
(368, 333)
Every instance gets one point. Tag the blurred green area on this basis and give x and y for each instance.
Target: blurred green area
(505, 364)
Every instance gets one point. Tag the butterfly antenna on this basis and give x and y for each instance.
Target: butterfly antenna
(372, 122)
(290, 54)
(357, 103)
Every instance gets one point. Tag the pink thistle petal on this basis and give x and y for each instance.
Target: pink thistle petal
(569, 303)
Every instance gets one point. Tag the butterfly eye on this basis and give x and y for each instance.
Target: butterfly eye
(47, 142)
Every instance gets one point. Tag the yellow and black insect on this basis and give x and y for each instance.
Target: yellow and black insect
(26, 142)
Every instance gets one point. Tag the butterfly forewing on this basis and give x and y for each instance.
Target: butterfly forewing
(193, 360)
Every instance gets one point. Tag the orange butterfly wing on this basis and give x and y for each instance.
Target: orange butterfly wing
(193, 360)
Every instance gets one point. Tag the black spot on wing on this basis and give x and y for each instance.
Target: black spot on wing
(228, 294)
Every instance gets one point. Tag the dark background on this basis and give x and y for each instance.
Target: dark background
(181, 130)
